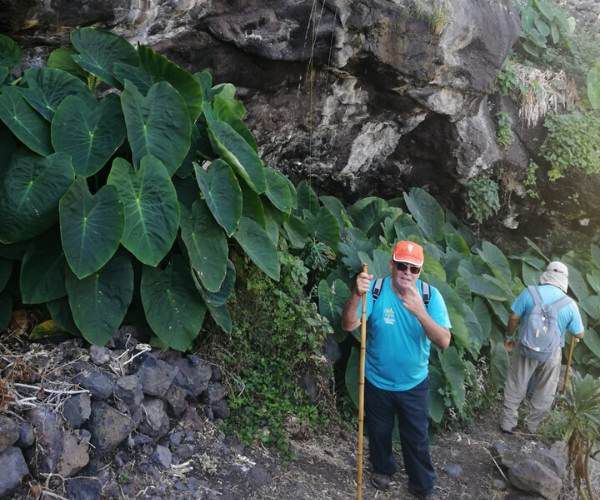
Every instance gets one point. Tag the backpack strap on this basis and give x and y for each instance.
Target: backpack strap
(535, 295)
(377, 288)
(560, 303)
(426, 292)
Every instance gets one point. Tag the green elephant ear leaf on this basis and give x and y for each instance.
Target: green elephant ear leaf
(577, 283)
(150, 205)
(135, 74)
(29, 193)
(323, 226)
(236, 151)
(591, 305)
(206, 244)
(593, 279)
(336, 207)
(158, 124)
(160, 68)
(222, 193)
(296, 231)
(3, 74)
(10, 52)
(89, 131)
(204, 78)
(351, 375)
(62, 58)
(593, 86)
(27, 125)
(43, 274)
(530, 275)
(307, 198)
(258, 246)
(454, 370)
(331, 303)
(99, 50)
(100, 301)
(437, 385)
(90, 227)
(220, 297)
(221, 317)
(427, 212)
(487, 287)
(278, 191)
(592, 341)
(60, 311)
(47, 87)
(495, 259)
(173, 306)
(379, 264)
(252, 206)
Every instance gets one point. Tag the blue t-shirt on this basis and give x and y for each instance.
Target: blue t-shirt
(569, 317)
(397, 356)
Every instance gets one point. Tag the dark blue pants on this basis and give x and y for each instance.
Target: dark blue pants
(411, 407)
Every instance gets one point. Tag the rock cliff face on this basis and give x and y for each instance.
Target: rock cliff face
(360, 96)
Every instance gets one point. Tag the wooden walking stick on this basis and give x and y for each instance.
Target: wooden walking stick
(361, 392)
(569, 360)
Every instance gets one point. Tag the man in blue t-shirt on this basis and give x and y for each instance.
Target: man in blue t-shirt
(400, 331)
(554, 283)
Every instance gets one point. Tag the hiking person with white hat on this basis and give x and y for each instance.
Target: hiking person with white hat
(405, 315)
(543, 314)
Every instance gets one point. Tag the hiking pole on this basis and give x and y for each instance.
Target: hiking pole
(569, 360)
(361, 391)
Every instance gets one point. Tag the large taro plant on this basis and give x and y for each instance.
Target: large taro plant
(125, 183)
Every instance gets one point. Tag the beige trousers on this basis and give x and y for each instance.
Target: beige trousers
(520, 371)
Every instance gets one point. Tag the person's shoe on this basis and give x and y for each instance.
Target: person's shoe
(381, 481)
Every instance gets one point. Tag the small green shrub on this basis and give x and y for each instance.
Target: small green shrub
(506, 79)
(482, 198)
(554, 426)
(436, 15)
(573, 141)
(277, 338)
(582, 409)
(530, 181)
(504, 135)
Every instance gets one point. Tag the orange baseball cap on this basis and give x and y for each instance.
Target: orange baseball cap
(408, 251)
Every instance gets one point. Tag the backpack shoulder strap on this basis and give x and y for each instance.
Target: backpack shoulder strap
(560, 303)
(535, 295)
(377, 288)
(426, 292)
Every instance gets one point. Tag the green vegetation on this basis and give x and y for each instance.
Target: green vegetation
(482, 198)
(576, 420)
(436, 15)
(530, 181)
(506, 79)
(85, 238)
(276, 340)
(572, 143)
(504, 134)
(564, 63)
(543, 25)
(583, 428)
(129, 201)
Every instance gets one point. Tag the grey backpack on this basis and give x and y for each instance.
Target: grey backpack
(539, 336)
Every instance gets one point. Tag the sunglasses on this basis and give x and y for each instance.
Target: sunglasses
(403, 266)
